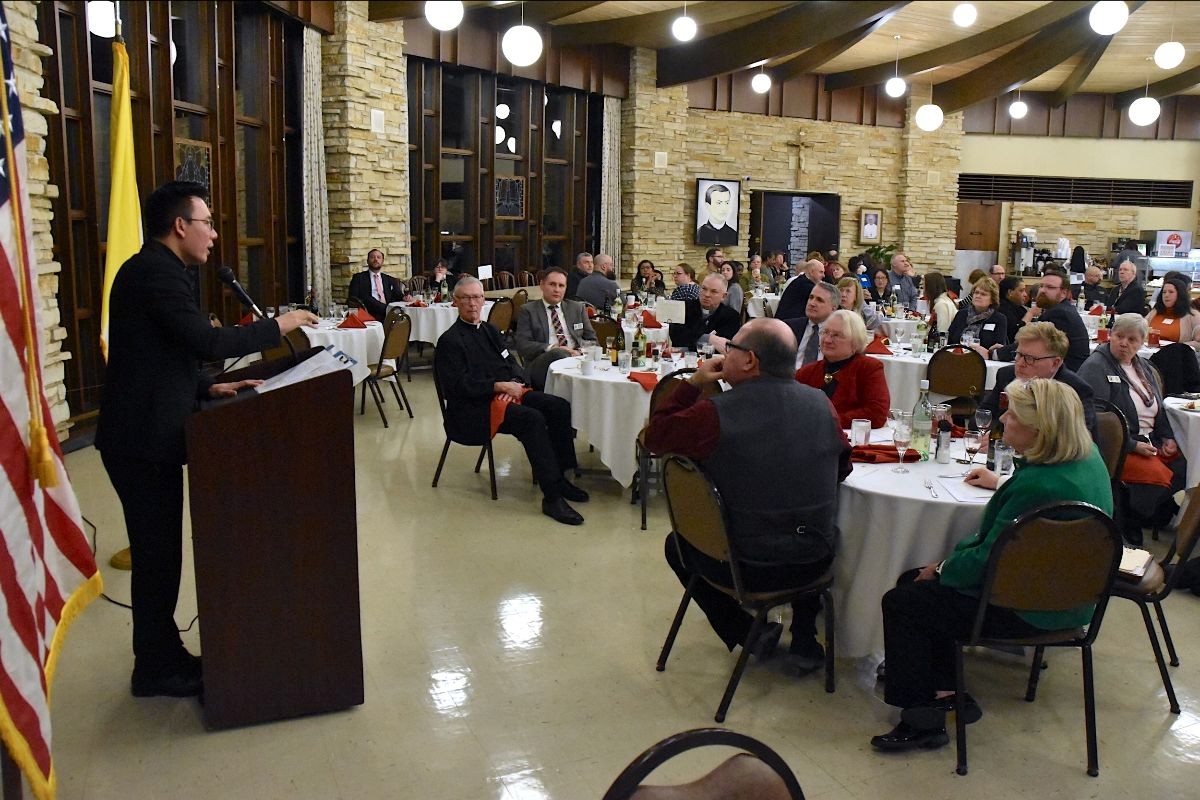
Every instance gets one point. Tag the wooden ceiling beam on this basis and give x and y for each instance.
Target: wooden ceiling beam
(1160, 89)
(535, 13)
(814, 57)
(543, 13)
(793, 29)
(654, 29)
(1011, 31)
(1087, 63)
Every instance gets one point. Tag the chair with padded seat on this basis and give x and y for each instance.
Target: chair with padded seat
(605, 328)
(1056, 557)
(485, 445)
(502, 316)
(698, 517)
(1112, 431)
(520, 297)
(959, 372)
(397, 327)
(756, 773)
(1156, 585)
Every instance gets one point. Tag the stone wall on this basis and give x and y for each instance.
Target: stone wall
(366, 173)
(1086, 225)
(27, 58)
(910, 174)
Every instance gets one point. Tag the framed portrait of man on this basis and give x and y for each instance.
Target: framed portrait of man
(717, 211)
(870, 226)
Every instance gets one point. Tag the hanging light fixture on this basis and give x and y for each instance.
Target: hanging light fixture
(1169, 54)
(895, 85)
(929, 117)
(102, 18)
(761, 82)
(1145, 110)
(684, 27)
(521, 45)
(964, 15)
(443, 15)
(1108, 17)
(1018, 108)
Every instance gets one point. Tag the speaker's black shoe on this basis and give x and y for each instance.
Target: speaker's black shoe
(559, 511)
(175, 684)
(933, 714)
(571, 492)
(905, 737)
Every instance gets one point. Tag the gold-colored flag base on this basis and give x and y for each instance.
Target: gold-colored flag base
(121, 560)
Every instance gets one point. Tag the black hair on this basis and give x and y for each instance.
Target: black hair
(1183, 297)
(716, 187)
(168, 203)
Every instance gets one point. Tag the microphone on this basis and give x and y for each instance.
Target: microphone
(227, 278)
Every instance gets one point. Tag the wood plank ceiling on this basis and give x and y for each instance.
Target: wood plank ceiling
(1035, 46)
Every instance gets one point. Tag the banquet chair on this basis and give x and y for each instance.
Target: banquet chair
(1056, 557)
(1111, 432)
(1156, 585)
(959, 372)
(662, 390)
(417, 283)
(486, 444)
(520, 297)
(698, 517)
(505, 280)
(502, 315)
(605, 327)
(756, 773)
(397, 327)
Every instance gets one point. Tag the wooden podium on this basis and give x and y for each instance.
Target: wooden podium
(274, 532)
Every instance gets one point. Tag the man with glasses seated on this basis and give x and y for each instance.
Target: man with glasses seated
(480, 377)
(708, 320)
(1040, 350)
(1053, 305)
(755, 429)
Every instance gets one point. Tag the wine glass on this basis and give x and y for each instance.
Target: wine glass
(967, 339)
(901, 336)
(974, 441)
(902, 437)
(893, 416)
(983, 419)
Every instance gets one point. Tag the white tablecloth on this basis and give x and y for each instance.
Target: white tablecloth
(890, 327)
(607, 407)
(430, 322)
(754, 305)
(890, 523)
(904, 374)
(1186, 425)
(361, 344)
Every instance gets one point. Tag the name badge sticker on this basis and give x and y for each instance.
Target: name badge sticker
(991, 326)
(504, 353)
(1114, 378)
(578, 326)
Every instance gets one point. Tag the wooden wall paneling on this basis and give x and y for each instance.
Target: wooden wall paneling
(822, 110)
(1166, 120)
(1110, 120)
(1084, 116)
(1058, 117)
(889, 111)
(723, 93)
(980, 117)
(224, 160)
(1187, 118)
(477, 47)
(703, 94)
(845, 105)
(1035, 123)
(799, 97)
(743, 97)
(573, 67)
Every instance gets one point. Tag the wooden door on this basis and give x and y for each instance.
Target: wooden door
(978, 226)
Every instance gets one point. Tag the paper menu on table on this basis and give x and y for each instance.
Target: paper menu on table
(667, 311)
(965, 493)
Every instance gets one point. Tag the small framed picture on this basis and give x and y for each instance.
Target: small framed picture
(510, 197)
(870, 225)
(717, 212)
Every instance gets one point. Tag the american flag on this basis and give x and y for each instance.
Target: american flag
(47, 571)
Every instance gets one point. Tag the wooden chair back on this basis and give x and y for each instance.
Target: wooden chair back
(505, 280)
(397, 327)
(604, 328)
(417, 283)
(1112, 431)
(956, 371)
(520, 297)
(501, 315)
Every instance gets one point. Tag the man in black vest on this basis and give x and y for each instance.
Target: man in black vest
(757, 428)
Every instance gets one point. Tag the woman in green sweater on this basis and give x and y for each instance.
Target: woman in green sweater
(932, 607)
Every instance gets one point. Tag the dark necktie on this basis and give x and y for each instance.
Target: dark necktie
(559, 331)
(812, 349)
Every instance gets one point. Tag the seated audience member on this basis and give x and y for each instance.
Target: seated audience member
(942, 307)
(880, 288)
(822, 301)
(551, 328)
(934, 606)
(735, 295)
(1154, 468)
(1013, 300)
(997, 273)
(850, 292)
(853, 382)
(1041, 348)
(816, 255)
(981, 320)
(794, 299)
(714, 257)
(1172, 314)
(1053, 305)
(647, 280)
(374, 288)
(1093, 292)
(791, 537)
(1128, 296)
(709, 320)
(834, 271)
(598, 288)
(901, 278)
(972, 279)
(583, 267)
(756, 276)
(686, 287)
(477, 373)
(442, 281)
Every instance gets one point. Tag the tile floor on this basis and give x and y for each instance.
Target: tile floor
(510, 657)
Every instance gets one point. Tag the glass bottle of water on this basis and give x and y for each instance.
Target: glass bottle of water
(922, 424)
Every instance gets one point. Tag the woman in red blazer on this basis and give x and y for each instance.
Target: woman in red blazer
(852, 381)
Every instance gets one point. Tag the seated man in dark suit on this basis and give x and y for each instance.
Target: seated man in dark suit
(476, 371)
(374, 288)
(1039, 350)
(551, 328)
(708, 316)
(1053, 306)
(794, 300)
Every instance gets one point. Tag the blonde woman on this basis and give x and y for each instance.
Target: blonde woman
(850, 291)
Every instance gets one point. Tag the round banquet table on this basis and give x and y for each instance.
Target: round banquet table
(754, 305)
(1186, 426)
(904, 373)
(361, 344)
(430, 322)
(890, 523)
(607, 407)
(890, 327)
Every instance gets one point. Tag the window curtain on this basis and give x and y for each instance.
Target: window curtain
(316, 202)
(610, 181)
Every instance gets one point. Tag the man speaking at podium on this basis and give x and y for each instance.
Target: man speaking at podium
(157, 338)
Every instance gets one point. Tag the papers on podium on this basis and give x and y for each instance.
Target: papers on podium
(328, 360)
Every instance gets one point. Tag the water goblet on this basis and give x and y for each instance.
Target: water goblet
(983, 419)
(902, 437)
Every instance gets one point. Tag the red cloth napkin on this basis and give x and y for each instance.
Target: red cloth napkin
(352, 321)
(417, 304)
(882, 454)
(591, 312)
(1150, 470)
(1096, 310)
(647, 380)
(878, 346)
(246, 320)
(650, 321)
(363, 315)
(499, 407)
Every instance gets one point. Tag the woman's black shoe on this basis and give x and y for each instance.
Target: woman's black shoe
(905, 737)
(932, 715)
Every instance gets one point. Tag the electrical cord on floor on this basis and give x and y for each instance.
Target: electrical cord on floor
(92, 525)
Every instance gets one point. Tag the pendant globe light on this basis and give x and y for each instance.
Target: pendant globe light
(444, 16)
(929, 117)
(964, 15)
(102, 18)
(895, 85)
(1108, 17)
(1169, 54)
(684, 27)
(1145, 110)
(1018, 108)
(761, 82)
(521, 45)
